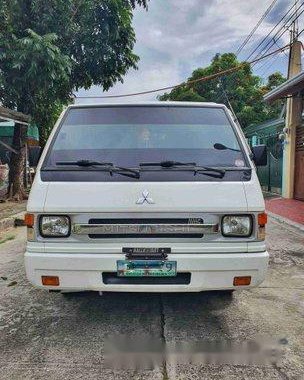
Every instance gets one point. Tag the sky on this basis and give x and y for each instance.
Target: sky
(174, 37)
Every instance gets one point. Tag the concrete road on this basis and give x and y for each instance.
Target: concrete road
(51, 336)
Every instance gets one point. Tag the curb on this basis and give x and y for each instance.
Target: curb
(288, 222)
(10, 221)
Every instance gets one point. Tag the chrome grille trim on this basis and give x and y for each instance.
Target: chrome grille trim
(136, 229)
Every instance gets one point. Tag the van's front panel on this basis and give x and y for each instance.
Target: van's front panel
(114, 230)
(87, 259)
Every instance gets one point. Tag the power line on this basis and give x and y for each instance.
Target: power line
(300, 33)
(267, 61)
(247, 39)
(276, 37)
(270, 59)
(270, 64)
(276, 42)
(202, 79)
(266, 37)
(273, 29)
(297, 23)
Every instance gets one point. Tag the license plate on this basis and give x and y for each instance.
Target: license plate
(146, 268)
(146, 250)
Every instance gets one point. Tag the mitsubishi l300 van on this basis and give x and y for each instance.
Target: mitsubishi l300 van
(160, 197)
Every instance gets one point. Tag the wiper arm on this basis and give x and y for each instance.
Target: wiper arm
(221, 172)
(106, 166)
(167, 164)
(127, 172)
(202, 169)
(211, 172)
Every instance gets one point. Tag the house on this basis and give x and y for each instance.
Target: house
(6, 137)
(292, 135)
(9, 118)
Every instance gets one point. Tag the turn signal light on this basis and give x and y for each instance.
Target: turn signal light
(50, 280)
(29, 220)
(262, 219)
(242, 281)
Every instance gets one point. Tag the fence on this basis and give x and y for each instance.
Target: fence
(270, 176)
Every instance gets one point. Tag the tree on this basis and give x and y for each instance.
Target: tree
(30, 91)
(243, 90)
(48, 49)
(273, 81)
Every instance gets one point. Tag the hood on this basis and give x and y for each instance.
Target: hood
(67, 197)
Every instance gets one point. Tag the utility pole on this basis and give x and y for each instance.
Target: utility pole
(293, 117)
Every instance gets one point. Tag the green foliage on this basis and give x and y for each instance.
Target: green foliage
(243, 90)
(48, 49)
(33, 69)
(274, 80)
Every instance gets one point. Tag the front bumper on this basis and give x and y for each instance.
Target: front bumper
(82, 272)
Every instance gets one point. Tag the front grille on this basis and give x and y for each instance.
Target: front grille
(145, 228)
(145, 221)
(140, 221)
(179, 279)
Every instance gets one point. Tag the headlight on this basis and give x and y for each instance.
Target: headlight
(55, 226)
(237, 225)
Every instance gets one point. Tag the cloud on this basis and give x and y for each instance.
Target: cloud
(176, 36)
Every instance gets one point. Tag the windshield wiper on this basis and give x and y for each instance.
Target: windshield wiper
(219, 146)
(85, 163)
(105, 166)
(167, 164)
(187, 166)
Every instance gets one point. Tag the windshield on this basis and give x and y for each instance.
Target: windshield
(130, 135)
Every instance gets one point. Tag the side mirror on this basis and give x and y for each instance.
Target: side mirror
(34, 153)
(259, 155)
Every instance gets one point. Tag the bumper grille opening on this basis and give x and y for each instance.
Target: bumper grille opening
(113, 279)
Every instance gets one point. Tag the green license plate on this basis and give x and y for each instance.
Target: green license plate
(146, 268)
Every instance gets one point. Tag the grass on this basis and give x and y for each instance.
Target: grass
(7, 238)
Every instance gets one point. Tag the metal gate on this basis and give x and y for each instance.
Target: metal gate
(299, 164)
(270, 176)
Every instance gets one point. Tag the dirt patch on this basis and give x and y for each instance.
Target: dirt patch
(10, 208)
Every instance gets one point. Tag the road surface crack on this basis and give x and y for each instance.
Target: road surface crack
(163, 338)
(279, 370)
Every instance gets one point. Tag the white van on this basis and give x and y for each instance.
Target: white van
(160, 197)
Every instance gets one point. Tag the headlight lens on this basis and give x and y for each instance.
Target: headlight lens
(55, 226)
(237, 225)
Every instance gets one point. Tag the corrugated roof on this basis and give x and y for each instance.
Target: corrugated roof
(290, 87)
(12, 115)
(268, 125)
(7, 130)
(7, 124)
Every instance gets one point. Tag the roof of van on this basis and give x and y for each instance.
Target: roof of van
(152, 104)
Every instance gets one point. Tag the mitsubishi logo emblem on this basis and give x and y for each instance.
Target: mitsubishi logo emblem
(145, 198)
